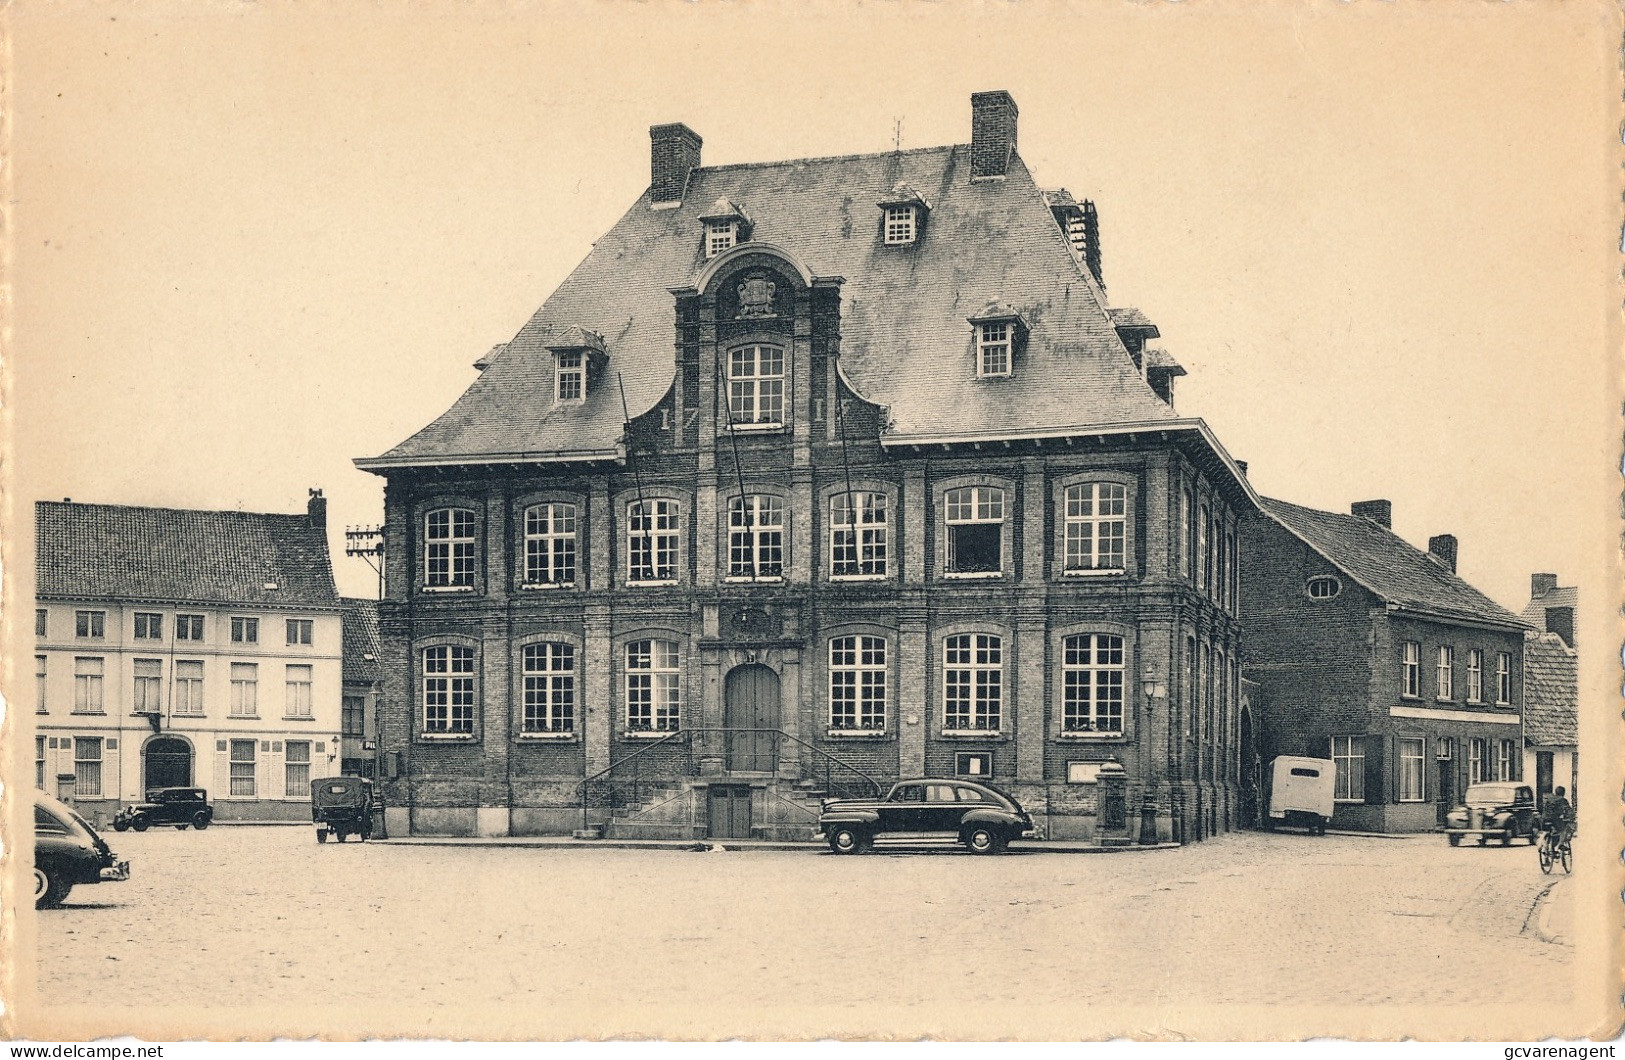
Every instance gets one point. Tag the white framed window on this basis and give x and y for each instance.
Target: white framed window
(243, 769)
(245, 630)
(87, 767)
(1322, 587)
(189, 687)
(975, 529)
(1095, 516)
(550, 688)
(353, 716)
(39, 762)
(857, 684)
(1478, 756)
(1506, 760)
(1204, 573)
(87, 685)
(756, 537)
(39, 685)
(1185, 533)
(756, 386)
(569, 376)
(857, 536)
(296, 770)
(1348, 754)
(900, 222)
(1503, 677)
(651, 541)
(550, 544)
(1410, 669)
(1475, 676)
(448, 544)
(972, 683)
(189, 627)
(1412, 772)
(90, 625)
(448, 690)
(1446, 681)
(296, 700)
(993, 342)
(301, 631)
(1092, 670)
(148, 626)
(720, 236)
(245, 690)
(653, 686)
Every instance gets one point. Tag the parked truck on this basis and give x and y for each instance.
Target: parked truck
(1302, 793)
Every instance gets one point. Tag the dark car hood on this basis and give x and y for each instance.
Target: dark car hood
(853, 804)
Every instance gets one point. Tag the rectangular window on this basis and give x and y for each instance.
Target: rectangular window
(857, 684)
(245, 690)
(1184, 533)
(972, 682)
(448, 542)
(1348, 753)
(87, 685)
(653, 699)
(1506, 761)
(1478, 757)
(857, 538)
(1503, 677)
(571, 376)
(1446, 673)
(756, 386)
(1412, 752)
(1410, 669)
(245, 630)
(1475, 676)
(39, 621)
(756, 537)
(90, 625)
(189, 627)
(550, 688)
(1092, 684)
(352, 719)
(149, 686)
(719, 236)
(975, 523)
(993, 349)
(189, 687)
(296, 694)
(39, 762)
(148, 626)
(448, 690)
(242, 768)
(1096, 517)
(87, 767)
(39, 685)
(899, 225)
(550, 544)
(300, 631)
(651, 539)
(296, 770)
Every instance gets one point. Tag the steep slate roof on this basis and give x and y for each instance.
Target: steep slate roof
(360, 641)
(1551, 690)
(1534, 612)
(113, 551)
(1388, 565)
(905, 340)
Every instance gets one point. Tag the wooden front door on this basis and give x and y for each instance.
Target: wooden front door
(167, 763)
(752, 703)
(728, 812)
(1446, 791)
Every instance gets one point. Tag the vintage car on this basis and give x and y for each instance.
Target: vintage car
(181, 807)
(978, 815)
(67, 851)
(1302, 793)
(1504, 810)
(342, 807)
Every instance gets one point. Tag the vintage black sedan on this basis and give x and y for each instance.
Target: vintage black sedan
(980, 816)
(67, 851)
(181, 807)
(1504, 811)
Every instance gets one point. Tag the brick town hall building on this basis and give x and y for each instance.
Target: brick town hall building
(812, 475)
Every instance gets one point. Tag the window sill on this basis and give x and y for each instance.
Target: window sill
(972, 734)
(745, 579)
(298, 717)
(1092, 737)
(856, 734)
(1102, 572)
(858, 577)
(242, 717)
(1349, 802)
(650, 735)
(758, 428)
(541, 587)
(447, 588)
(973, 575)
(1410, 698)
(547, 737)
(446, 737)
(96, 714)
(652, 584)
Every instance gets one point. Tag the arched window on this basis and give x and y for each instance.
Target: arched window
(550, 688)
(972, 682)
(550, 544)
(756, 537)
(1092, 684)
(756, 386)
(857, 535)
(448, 690)
(448, 549)
(651, 541)
(1096, 527)
(653, 686)
(857, 684)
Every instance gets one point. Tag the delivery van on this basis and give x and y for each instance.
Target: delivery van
(1302, 793)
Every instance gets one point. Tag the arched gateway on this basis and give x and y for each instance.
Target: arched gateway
(166, 762)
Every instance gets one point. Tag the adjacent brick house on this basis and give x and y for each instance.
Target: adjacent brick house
(1375, 654)
(363, 673)
(899, 495)
(177, 648)
(1552, 696)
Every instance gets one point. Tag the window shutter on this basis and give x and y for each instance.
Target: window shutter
(1375, 789)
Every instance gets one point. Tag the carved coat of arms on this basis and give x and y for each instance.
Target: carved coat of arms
(756, 296)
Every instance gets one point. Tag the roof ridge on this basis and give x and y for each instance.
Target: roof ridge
(827, 158)
(166, 508)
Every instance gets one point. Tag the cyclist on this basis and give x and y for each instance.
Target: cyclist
(1557, 817)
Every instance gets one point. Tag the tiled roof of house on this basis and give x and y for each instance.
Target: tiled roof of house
(113, 551)
(1563, 596)
(905, 339)
(1388, 565)
(361, 645)
(1551, 690)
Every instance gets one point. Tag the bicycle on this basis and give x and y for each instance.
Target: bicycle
(1554, 851)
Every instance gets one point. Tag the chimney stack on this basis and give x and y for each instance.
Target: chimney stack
(1379, 512)
(1541, 584)
(316, 509)
(1443, 547)
(674, 153)
(992, 133)
(1560, 620)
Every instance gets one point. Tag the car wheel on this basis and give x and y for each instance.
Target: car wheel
(848, 841)
(120, 824)
(50, 890)
(340, 835)
(1455, 840)
(140, 824)
(984, 841)
(200, 820)
(321, 835)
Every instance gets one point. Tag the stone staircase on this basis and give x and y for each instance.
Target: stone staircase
(780, 810)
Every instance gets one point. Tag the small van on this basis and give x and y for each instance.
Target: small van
(1302, 792)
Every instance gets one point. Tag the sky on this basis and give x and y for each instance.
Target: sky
(252, 242)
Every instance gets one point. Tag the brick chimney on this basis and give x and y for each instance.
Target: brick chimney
(316, 509)
(674, 153)
(1379, 512)
(1541, 584)
(1560, 620)
(992, 133)
(1443, 548)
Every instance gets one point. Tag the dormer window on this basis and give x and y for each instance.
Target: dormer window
(902, 212)
(726, 226)
(571, 376)
(899, 225)
(579, 358)
(720, 236)
(993, 349)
